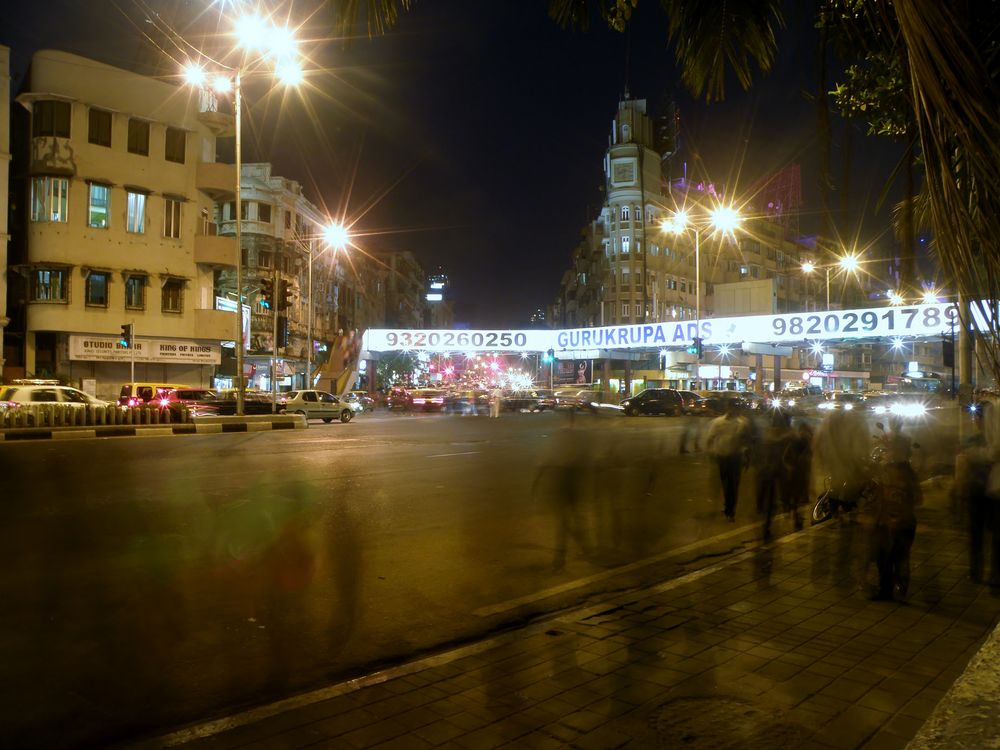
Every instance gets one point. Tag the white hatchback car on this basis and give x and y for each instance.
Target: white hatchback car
(318, 405)
(13, 395)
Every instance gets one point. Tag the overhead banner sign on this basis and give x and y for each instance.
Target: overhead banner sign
(787, 328)
(109, 349)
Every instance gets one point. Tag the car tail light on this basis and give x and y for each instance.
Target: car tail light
(419, 400)
(437, 400)
(164, 402)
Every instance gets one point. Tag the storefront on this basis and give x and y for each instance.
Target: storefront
(101, 364)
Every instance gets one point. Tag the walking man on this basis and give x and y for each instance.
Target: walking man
(726, 440)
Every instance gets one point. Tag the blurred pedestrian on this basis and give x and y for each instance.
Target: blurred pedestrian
(798, 472)
(564, 480)
(726, 441)
(496, 398)
(770, 464)
(843, 446)
(976, 488)
(895, 527)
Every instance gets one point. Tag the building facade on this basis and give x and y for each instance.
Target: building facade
(632, 266)
(118, 186)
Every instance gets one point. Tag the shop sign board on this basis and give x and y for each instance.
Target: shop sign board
(109, 349)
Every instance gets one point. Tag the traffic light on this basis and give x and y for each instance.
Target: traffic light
(285, 294)
(126, 337)
(267, 293)
(549, 356)
(695, 348)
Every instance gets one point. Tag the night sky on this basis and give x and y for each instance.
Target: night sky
(473, 133)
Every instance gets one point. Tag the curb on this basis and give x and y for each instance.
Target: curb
(202, 426)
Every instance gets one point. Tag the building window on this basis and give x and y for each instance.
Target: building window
(138, 137)
(135, 219)
(625, 210)
(174, 145)
(625, 241)
(654, 250)
(51, 119)
(288, 219)
(171, 298)
(49, 199)
(265, 259)
(264, 212)
(99, 206)
(625, 310)
(172, 218)
(684, 286)
(638, 215)
(135, 293)
(49, 285)
(672, 283)
(99, 132)
(755, 272)
(97, 289)
(625, 278)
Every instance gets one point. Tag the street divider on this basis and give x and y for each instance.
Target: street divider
(139, 425)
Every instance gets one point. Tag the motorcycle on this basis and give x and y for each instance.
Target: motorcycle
(830, 503)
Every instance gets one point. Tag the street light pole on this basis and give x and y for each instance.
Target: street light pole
(828, 289)
(240, 343)
(309, 323)
(697, 283)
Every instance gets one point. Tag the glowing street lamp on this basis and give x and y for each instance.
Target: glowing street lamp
(930, 297)
(895, 298)
(849, 263)
(264, 42)
(724, 219)
(336, 237)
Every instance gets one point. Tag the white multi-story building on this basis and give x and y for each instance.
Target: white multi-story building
(281, 230)
(121, 188)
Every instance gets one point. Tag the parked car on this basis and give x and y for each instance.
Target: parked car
(137, 394)
(362, 397)
(842, 400)
(665, 401)
(903, 405)
(36, 393)
(691, 401)
(254, 402)
(427, 399)
(714, 403)
(318, 405)
(399, 399)
(467, 402)
(519, 401)
(581, 400)
(795, 400)
(546, 399)
(200, 402)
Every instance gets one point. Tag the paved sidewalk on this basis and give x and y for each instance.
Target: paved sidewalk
(773, 648)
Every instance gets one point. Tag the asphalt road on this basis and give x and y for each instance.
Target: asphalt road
(156, 581)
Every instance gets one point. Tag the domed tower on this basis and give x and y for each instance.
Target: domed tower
(631, 216)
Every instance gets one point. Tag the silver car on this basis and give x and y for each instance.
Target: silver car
(318, 405)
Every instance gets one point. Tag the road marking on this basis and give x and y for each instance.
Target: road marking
(443, 455)
(614, 572)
